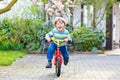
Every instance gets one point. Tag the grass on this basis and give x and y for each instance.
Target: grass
(8, 57)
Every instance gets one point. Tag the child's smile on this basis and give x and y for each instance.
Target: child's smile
(60, 25)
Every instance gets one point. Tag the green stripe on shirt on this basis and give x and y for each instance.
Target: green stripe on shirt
(59, 35)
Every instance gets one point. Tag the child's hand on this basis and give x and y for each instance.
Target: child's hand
(66, 40)
(48, 40)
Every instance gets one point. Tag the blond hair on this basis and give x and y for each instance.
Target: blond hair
(59, 18)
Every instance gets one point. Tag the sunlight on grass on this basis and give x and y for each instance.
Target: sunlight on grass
(8, 57)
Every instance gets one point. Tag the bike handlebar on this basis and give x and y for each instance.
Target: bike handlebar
(57, 40)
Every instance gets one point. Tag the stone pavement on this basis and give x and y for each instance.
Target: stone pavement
(80, 67)
(113, 52)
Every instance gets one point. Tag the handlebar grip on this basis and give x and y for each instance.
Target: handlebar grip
(46, 40)
(69, 42)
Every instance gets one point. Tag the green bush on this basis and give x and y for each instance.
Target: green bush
(17, 34)
(85, 39)
(22, 32)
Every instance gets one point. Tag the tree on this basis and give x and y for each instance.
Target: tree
(60, 8)
(99, 10)
(40, 6)
(8, 7)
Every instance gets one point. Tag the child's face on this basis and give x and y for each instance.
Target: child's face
(60, 25)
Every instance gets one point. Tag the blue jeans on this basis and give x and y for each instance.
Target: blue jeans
(51, 50)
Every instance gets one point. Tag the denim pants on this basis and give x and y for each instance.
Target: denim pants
(51, 50)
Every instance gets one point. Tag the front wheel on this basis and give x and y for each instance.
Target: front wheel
(58, 67)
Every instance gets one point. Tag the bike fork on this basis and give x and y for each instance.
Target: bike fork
(57, 55)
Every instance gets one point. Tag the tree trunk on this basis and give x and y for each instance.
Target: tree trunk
(8, 7)
(109, 22)
(82, 12)
(94, 17)
(44, 13)
(71, 18)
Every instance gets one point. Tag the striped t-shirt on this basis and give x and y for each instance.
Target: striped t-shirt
(59, 35)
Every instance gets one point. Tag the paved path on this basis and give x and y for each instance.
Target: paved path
(80, 67)
(113, 52)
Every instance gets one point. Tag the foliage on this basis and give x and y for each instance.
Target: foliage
(21, 33)
(84, 39)
(45, 28)
(55, 8)
(17, 34)
(37, 12)
(8, 57)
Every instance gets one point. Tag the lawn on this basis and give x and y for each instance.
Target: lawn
(8, 57)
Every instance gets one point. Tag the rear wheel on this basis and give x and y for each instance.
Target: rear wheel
(58, 67)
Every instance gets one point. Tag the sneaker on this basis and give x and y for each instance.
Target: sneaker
(65, 62)
(49, 65)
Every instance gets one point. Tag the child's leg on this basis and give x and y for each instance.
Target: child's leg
(65, 54)
(51, 49)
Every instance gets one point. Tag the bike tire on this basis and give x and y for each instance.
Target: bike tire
(58, 67)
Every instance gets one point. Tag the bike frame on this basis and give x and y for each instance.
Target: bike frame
(57, 53)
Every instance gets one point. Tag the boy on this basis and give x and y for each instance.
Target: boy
(59, 32)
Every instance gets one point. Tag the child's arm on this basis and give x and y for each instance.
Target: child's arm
(68, 39)
(48, 36)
